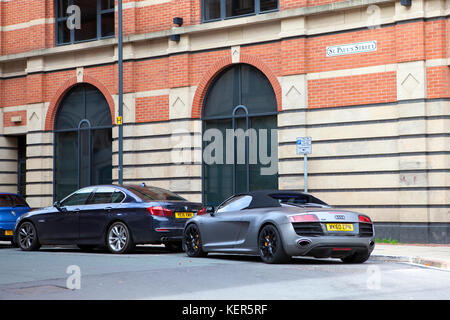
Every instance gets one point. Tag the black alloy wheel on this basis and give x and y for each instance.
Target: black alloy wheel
(27, 237)
(192, 242)
(270, 246)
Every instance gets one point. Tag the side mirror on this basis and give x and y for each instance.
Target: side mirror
(211, 210)
(57, 205)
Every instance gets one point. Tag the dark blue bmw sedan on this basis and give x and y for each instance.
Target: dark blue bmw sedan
(115, 217)
(12, 206)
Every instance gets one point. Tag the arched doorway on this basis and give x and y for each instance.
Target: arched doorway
(83, 141)
(240, 97)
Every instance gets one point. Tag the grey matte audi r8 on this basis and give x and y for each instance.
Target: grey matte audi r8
(277, 225)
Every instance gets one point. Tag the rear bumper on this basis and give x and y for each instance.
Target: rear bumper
(172, 234)
(325, 246)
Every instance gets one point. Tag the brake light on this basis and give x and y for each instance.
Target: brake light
(304, 218)
(201, 212)
(364, 219)
(160, 211)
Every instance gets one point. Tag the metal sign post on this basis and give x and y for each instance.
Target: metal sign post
(304, 146)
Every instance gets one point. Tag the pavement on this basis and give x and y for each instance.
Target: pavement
(429, 255)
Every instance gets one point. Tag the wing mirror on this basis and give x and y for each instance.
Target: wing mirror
(211, 210)
(57, 205)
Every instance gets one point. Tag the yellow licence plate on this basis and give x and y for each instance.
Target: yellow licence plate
(8, 233)
(339, 227)
(184, 215)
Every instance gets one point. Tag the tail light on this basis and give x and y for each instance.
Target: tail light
(364, 219)
(160, 211)
(201, 212)
(304, 218)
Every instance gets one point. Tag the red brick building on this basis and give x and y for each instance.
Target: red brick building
(368, 80)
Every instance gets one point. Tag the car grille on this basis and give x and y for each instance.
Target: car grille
(365, 230)
(308, 228)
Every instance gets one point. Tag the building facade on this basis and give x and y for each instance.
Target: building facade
(367, 80)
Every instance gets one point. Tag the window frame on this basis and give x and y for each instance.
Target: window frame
(100, 13)
(223, 11)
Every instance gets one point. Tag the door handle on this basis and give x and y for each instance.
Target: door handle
(108, 208)
(76, 209)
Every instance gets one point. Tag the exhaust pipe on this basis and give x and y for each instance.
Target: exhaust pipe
(304, 242)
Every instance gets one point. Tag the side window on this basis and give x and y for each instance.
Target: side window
(235, 204)
(18, 202)
(77, 198)
(107, 195)
(5, 201)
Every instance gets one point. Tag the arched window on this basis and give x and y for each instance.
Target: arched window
(83, 141)
(240, 97)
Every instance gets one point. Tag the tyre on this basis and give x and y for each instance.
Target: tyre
(357, 257)
(27, 238)
(192, 242)
(174, 246)
(118, 238)
(271, 246)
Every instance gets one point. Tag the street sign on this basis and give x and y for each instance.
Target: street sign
(304, 145)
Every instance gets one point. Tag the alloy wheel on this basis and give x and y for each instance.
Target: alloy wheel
(118, 238)
(27, 237)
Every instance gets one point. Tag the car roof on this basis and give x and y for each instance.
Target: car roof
(264, 199)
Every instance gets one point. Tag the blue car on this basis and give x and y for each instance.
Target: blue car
(12, 206)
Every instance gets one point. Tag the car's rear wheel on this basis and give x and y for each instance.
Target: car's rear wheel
(27, 237)
(357, 257)
(118, 238)
(192, 242)
(271, 246)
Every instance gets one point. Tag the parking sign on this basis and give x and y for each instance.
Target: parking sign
(304, 145)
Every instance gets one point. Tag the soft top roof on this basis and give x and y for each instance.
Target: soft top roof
(264, 199)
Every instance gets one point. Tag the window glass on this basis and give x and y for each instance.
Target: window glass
(239, 7)
(153, 194)
(88, 28)
(222, 9)
(78, 198)
(107, 4)
(212, 9)
(62, 8)
(102, 195)
(235, 204)
(117, 196)
(5, 200)
(18, 202)
(269, 5)
(108, 24)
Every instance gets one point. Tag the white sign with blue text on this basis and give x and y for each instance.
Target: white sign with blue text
(304, 145)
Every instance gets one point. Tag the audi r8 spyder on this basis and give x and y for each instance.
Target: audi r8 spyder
(115, 217)
(277, 225)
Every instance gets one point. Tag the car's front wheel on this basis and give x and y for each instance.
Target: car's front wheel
(271, 246)
(27, 237)
(192, 242)
(118, 238)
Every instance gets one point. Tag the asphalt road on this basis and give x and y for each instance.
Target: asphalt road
(154, 273)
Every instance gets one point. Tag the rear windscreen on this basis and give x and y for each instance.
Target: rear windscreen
(154, 194)
(300, 199)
